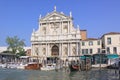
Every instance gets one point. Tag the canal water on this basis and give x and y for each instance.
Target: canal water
(94, 74)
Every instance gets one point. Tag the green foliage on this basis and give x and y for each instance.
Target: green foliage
(15, 44)
(21, 52)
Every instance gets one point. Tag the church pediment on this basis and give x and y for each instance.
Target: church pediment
(54, 16)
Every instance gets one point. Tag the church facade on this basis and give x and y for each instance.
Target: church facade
(56, 37)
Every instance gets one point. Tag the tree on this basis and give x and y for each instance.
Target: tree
(15, 45)
(21, 52)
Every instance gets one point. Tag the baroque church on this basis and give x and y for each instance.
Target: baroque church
(56, 37)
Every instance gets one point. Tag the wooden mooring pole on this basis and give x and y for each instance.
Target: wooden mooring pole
(119, 69)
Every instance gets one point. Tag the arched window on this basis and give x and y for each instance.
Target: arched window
(55, 51)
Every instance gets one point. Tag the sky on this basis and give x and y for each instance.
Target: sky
(20, 17)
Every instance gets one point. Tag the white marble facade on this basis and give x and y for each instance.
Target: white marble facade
(56, 37)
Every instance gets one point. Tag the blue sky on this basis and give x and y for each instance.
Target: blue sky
(19, 17)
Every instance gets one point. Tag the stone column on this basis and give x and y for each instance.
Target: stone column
(62, 26)
(70, 25)
(46, 50)
(68, 49)
(59, 49)
(68, 28)
(77, 48)
(39, 49)
(47, 28)
(32, 51)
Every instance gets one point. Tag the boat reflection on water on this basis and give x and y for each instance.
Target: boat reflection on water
(95, 74)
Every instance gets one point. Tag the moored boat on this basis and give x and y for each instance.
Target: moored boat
(74, 67)
(33, 66)
(49, 67)
(82, 63)
(105, 60)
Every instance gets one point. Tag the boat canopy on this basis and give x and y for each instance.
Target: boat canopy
(112, 56)
(82, 57)
(85, 56)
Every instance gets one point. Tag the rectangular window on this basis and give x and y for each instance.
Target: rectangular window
(98, 42)
(115, 50)
(108, 50)
(99, 50)
(86, 50)
(83, 51)
(90, 43)
(91, 51)
(83, 43)
(108, 40)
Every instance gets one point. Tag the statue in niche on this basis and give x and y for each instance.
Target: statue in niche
(65, 50)
(74, 50)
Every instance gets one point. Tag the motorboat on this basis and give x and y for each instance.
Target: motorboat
(49, 67)
(105, 60)
(33, 66)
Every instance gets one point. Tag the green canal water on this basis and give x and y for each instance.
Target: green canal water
(94, 74)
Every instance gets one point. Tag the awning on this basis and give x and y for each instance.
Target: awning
(82, 57)
(112, 56)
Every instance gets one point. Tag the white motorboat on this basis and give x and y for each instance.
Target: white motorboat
(21, 66)
(49, 67)
(3, 65)
(100, 65)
